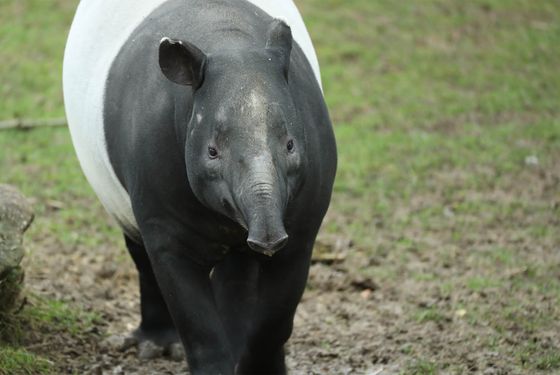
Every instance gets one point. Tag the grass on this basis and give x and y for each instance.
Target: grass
(430, 314)
(421, 368)
(27, 332)
(20, 362)
(10, 289)
(59, 315)
(32, 35)
(533, 356)
(438, 106)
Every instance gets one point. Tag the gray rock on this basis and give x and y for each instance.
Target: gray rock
(15, 217)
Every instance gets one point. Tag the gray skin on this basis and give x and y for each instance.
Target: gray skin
(217, 128)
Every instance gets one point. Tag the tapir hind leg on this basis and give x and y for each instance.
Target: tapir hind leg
(156, 334)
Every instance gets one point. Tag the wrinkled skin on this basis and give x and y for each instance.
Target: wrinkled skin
(229, 158)
(259, 160)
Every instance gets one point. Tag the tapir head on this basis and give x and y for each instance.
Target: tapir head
(245, 147)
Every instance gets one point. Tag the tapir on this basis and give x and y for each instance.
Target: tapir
(202, 127)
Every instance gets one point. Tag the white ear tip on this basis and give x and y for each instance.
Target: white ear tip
(170, 41)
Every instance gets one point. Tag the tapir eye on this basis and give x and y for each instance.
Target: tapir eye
(290, 145)
(212, 152)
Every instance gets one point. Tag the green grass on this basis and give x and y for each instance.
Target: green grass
(431, 314)
(437, 105)
(533, 356)
(10, 289)
(421, 367)
(38, 321)
(478, 283)
(456, 92)
(20, 362)
(58, 186)
(32, 34)
(59, 316)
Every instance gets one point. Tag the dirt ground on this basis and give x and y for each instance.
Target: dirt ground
(340, 326)
(346, 324)
(466, 291)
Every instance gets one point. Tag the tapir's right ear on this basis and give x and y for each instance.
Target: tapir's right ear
(279, 40)
(182, 62)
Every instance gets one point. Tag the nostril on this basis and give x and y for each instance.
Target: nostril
(281, 243)
(255, 245)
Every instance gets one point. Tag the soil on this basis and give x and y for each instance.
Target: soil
(381, 309)
(339, 327)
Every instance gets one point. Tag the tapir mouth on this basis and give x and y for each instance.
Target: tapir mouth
(266, 231)
(268, 248)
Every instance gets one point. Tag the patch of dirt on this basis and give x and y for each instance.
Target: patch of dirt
(464, 292)
(339, 326)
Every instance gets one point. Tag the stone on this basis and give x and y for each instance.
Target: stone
(16, 216)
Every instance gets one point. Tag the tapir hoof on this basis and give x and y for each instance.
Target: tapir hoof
(176, 351)
(158, 343)
(149, 350)
(149, 345)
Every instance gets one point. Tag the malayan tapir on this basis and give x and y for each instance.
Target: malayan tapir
(201, 126)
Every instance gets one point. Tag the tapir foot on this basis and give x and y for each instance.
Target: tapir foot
(150, 344)
(158, 343)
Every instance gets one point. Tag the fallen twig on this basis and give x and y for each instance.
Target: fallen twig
(31, 123)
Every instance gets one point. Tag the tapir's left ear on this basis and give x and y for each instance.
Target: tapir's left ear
(182, 62)
(279, 41)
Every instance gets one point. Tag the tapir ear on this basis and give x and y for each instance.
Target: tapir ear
(279, 41)
(182, 62)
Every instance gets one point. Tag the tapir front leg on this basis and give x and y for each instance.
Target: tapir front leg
(156, 327)
(281, 284)
(234, 281)
(187, 290)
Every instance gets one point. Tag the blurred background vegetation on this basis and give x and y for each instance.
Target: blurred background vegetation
(447, 117)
